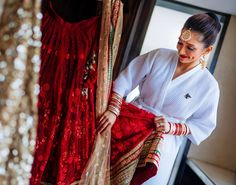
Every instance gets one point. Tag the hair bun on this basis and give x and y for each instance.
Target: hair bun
(214, 16)
(206, 24)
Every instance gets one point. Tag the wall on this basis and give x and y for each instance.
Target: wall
(164, 29)
(220, 148)
(226, 6)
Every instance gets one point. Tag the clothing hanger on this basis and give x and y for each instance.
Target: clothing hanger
(74, 10)
(125, 3)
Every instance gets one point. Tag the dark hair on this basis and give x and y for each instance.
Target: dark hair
(206, 24)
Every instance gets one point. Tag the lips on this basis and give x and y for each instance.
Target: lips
(183, 57)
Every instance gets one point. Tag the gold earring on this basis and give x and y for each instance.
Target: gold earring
(203, 61)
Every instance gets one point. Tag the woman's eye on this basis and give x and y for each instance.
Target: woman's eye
(180, 43)
(191, 49)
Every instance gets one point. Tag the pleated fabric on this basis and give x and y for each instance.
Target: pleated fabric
(68, 75)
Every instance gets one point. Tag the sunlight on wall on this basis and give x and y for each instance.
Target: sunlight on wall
(164, 29)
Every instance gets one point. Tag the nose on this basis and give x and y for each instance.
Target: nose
(182, 50)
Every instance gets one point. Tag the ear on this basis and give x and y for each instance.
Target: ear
(207, 50)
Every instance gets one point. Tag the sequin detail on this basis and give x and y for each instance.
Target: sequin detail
(66, 124)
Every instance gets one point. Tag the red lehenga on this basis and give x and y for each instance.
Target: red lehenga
(66, 115)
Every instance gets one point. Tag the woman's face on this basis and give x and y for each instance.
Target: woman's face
(191, 50)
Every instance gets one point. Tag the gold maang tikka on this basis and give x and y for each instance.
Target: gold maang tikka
(186, 35)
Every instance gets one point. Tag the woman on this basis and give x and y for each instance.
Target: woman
(177, 88)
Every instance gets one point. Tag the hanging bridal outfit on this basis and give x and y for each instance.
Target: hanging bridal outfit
(71, 70)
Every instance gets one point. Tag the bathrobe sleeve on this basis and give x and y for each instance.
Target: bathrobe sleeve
(203, 121)
(134, 73)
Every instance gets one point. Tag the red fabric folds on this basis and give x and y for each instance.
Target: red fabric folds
(132, 126)
(66, 113)
(142, 174)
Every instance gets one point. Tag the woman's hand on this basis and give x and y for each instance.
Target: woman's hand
(107, 120)
(161, 124)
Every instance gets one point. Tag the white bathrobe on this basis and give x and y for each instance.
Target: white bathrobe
(191, 98)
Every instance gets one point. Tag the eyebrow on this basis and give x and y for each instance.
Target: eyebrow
(186, 42)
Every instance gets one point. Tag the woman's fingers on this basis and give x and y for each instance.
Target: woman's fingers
(107, 119)
(103, 123)
(103, 120)
(104, 117)
(102, 127)
(160, 122)
(159, 118)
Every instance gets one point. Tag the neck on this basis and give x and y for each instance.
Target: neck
(187, 66)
